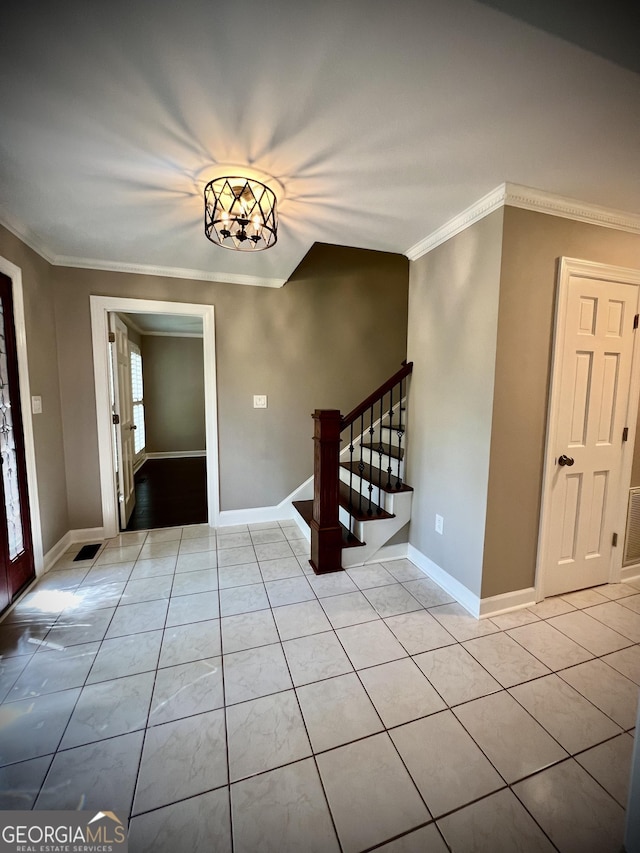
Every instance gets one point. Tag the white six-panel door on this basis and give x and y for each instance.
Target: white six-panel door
(594, 348)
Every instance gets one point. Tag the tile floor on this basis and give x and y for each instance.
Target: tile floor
(209, 687)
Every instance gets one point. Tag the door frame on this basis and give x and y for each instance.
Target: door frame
(100, 307)
(15, 274)
(568, 268)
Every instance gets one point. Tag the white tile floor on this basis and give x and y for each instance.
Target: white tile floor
(212, 689)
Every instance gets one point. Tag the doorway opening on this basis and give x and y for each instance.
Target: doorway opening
(140, 310)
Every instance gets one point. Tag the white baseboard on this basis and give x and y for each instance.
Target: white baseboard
(462, 595)
(280, 512)
(391, 552)
(481, 608)
(87, 534)
(176, 454)
(494, 605)
(630, 573)
(53, 554)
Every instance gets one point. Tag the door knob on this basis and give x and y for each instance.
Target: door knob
(566, 460)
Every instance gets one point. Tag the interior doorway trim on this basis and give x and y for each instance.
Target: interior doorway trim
(15, 274)
(100, 308)
(568, 268)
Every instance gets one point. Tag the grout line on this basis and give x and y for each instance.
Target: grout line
(272, 608)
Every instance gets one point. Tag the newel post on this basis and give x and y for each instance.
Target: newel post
(326, 533)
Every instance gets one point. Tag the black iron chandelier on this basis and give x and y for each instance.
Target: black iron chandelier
(240, 214)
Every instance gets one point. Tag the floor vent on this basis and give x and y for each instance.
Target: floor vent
(632, 537)
(87, 552)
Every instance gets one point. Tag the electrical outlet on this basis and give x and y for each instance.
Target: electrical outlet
(259, 401)
(36, 405)
(439, 524)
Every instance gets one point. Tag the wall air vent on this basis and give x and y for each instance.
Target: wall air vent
(632, 536)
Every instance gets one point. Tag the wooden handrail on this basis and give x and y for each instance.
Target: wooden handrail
(360, 409)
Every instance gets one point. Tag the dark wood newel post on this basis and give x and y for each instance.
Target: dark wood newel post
(326, 533)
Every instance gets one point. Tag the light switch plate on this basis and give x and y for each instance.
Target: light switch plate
(259, 401)
(36, 405)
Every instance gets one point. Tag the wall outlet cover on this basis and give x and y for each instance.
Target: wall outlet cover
(259, 401)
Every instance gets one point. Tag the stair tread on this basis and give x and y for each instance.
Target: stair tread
(352, 500)
(372, 475)
(305, 508)
(387, 449)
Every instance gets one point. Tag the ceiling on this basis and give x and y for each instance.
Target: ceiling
(180, 325)
(381, 120)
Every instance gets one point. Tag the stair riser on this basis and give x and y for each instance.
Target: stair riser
(372, 457)
(378, 496)
(376, 533)
(390, 436)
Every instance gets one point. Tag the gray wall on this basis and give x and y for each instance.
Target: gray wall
(532, 244)
(453, 317)
(328, 338)
(43, 379)
(173, 377)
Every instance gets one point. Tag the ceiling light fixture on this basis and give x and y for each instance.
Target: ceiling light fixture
(240, 214)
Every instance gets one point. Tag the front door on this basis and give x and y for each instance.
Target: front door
(16, 551)
(594, 346)
(122, 411)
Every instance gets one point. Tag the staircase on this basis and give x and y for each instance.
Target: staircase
(360, 497)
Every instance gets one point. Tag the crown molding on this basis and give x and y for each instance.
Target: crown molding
(527, 198)
(486, 205)
(28, 238)
(168, 272)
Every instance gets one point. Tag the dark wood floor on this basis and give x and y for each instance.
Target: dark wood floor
(170, 492)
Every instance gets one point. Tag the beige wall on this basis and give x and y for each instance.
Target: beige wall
(43, 380)
(173, 377)
(326, 339)
(453, 316)
(532, 244)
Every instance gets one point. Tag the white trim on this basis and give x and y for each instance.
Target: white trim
(176, 454)
(166, 272)
(527, 198)
(53, 554)
(567, 268)
(15, 274)
(630, 573)
(390, 552)
(100, 307)
(255, 515)
(462, 595)
(71, 537)
(26, 236)
(87, 534)
(478, 210)
(495, 605)
(481, 608)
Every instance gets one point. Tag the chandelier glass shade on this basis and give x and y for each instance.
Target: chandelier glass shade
(240, 214)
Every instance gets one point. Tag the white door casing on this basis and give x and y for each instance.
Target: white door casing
(15, 274)
(123, 420)
(100, 307)
(593, 397)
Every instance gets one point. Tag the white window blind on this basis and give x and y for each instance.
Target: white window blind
(137, 393)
